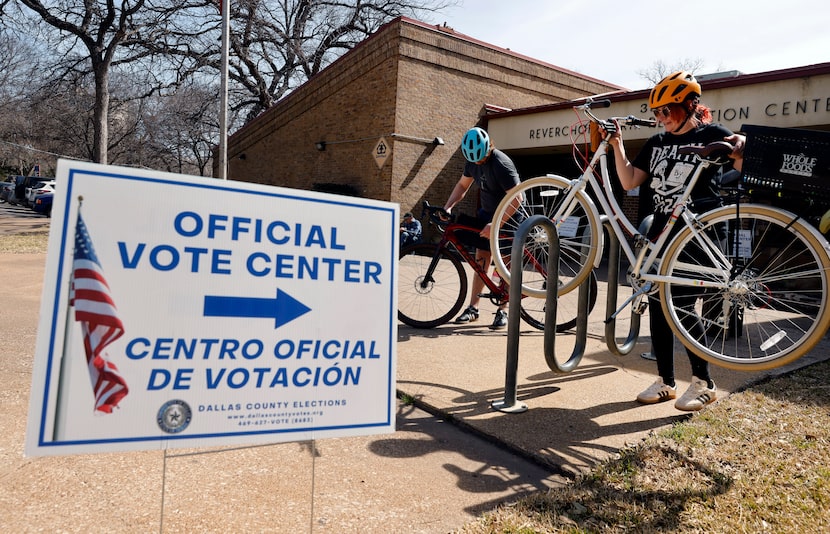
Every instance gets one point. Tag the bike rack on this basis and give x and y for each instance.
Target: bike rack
(611, 301)
(510, 404)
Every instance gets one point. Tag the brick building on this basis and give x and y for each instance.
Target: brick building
(367, 125)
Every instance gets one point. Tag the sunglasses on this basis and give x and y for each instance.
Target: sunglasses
(664, 111)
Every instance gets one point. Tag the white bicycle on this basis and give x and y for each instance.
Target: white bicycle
(745, 286)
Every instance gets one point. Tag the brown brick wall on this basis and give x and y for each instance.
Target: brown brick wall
(348, 108)
(411, 80)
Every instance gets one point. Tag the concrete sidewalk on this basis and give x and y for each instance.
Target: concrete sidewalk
(573, 420)
(430, 476)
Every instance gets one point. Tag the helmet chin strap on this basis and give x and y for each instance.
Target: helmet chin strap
(689, 113)
(682, 124)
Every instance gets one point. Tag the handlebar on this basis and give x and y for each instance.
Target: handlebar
(631, 120)
(437, 214)
(610, 124)
(591, 103)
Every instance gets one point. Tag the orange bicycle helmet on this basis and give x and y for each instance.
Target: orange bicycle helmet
(673, 89)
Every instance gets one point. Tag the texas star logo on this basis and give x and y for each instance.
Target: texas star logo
(174, 416)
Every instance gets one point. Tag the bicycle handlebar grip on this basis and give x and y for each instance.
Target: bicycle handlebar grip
(604, 103)
(636, 121)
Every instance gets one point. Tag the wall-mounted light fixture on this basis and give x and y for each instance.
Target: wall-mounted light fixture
(435, 141)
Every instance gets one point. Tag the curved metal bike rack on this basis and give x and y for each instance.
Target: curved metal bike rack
(510, 404)
(611, 301)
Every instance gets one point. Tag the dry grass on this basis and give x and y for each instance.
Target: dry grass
(757, 461)
(27, 243)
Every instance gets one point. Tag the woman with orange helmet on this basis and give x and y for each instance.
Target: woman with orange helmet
(663, 174)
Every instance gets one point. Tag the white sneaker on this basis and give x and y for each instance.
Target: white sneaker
(697, 396)
(657, 392)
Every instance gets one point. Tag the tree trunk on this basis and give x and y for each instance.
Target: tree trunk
(101, 114)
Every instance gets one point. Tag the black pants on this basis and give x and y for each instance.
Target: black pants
(662, 341)
(469, 237)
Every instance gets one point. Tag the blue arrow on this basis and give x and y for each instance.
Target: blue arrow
(283, 309)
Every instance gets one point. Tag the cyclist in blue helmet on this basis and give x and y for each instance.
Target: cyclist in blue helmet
(495, 174)
(476, 145)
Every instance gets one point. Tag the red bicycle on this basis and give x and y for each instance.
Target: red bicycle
(432, 280)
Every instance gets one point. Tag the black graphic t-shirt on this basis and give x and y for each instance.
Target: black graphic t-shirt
(669, 171)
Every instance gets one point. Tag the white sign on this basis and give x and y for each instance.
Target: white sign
(744, 243)
(381, 151)
(180, 311)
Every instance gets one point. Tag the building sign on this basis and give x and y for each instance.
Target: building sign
(181, 311)
(789, 103)
(381, 151)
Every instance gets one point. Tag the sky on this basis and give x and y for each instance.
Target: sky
(613, 40)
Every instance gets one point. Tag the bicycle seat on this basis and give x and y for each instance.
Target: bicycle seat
(717, 152)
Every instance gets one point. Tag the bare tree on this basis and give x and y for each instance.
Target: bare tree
(18, 59)
(162, 44)
(276, 45)
(180, 130)
(99, 28)
(659, 69)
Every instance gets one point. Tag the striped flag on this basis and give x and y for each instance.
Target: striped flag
(95, 310)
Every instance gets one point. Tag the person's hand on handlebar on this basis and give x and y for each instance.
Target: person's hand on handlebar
(614, 137)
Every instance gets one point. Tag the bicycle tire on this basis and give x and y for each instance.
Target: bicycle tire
(567, 308)
(774, 307)
(433, 304)
(580, 234)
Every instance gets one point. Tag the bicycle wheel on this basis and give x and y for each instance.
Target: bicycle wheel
(580, 234)
(533, 309)
(426, 300)
(769, 304)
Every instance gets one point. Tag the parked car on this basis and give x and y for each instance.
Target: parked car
(38, 189)
(21, 184)
(43, 204)
(6, 190)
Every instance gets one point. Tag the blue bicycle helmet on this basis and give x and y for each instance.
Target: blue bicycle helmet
(475, 145)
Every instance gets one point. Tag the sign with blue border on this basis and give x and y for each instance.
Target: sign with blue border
(180, 311)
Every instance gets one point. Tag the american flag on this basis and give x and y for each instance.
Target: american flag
(95, 310)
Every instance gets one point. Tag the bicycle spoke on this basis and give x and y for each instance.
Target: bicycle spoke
(577, 228)
(427, 299)
(772, 304)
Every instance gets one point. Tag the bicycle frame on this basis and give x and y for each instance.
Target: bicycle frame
(743, 285)
(499, 292)
(644, 263)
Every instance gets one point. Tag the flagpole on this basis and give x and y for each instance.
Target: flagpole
(61, 399)
(225, 7)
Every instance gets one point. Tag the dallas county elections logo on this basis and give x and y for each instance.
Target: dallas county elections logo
(174, 416)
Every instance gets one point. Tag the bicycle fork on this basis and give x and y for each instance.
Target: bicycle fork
(427, 278)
